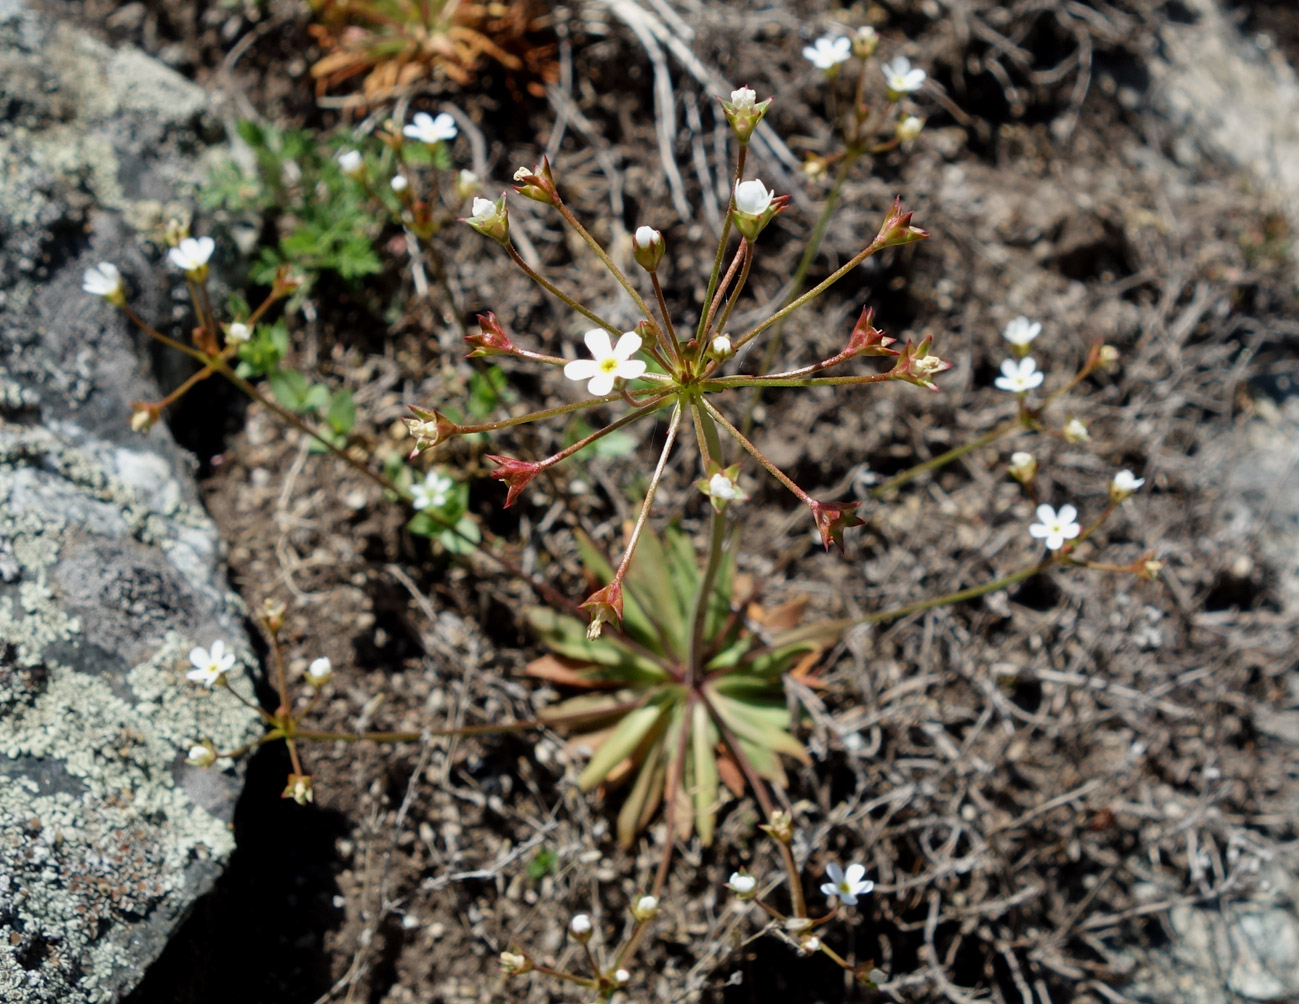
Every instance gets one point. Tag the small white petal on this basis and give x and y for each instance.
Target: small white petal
(628, 345)
(597, 340)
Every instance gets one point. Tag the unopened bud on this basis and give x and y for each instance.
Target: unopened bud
(645, 908)
(648, 247)
(466, 185)
(1023, 467)
(1075, 431)
(273, 615)
(744, 112)
(865, 42)
(580, 928)
(908, 128)
(781, 827)
(513, 963)
(319, 672)
(721, 347)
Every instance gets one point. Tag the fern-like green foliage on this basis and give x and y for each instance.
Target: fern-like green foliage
(651, 722)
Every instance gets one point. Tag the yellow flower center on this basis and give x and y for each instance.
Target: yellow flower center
(609, 365)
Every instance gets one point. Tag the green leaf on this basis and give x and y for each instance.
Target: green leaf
(650, 582)
(463, 538)
(620, 743)
(703, 742)
(566, 636)
(646, 792)
(757, 724)
(316, 398)
(289, 388)
(342, 412)
(635, 621)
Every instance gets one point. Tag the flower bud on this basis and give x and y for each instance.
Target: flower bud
(645, 908)
(744, 885)
(648, 247)
(514, 963)
(781, 827)
(319, 672)
(466, 185)
(1123, 484)
(202, 755)
(237, 332)
(723, 487)
(754, 207)
(721, 347)
(398, 183)
(908, 128)
(491, 219)
(273, 615)
(299, 789)
(744, 113)
(897, 229)
(579, 928)
(144, 416)
(1023, 467)
(537, 183)
(1075, 431)
(621, 976)
(351, 163)
(865, 42)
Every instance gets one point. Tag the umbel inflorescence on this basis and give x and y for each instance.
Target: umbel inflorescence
(685, 370)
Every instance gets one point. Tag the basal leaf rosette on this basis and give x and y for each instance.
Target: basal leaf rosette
(665, 736)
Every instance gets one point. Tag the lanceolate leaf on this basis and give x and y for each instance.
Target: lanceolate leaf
(704, 776)
(567, 637)
(620, 744)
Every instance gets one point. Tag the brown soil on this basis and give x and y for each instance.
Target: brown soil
(1011, 769)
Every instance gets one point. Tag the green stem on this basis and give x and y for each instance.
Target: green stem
(721, 246)
(955, 453)
(600, 253)
(558, 293)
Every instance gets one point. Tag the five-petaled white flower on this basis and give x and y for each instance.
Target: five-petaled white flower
(752, 197)
(210, 664)
(427, 129)
(1020, 331)
(1019, 377)
(901, 77)
(433, 492)
(192, 254)
(1123, 484)
(102, 280)
(828, 52)
(846, 886)
(1055, 527)
(350, 162)
(609, 363)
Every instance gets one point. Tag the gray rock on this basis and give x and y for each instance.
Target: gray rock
(109, 570)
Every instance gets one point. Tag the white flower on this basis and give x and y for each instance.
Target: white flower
(319, 672)
(201, 756)
(433, 492)
(1055, 527)
(102, 280)
(1021, 331)
(192, 254)
(742, 885)
(523, 174)
(466, 184)
(1123, 484)
(580, 926)
(722, 347)
(399, 183)
(646, 908)
(210, 664)
(431, 130)
(237, 332)
(609, 363)
(812, 944)
(351, 163)
(828, 52)
(621, 976)
(846, 886)
(1019, 377)
(752, 197)
(901, 78)
(1075, 431)
(743, 99)
(865, 42)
